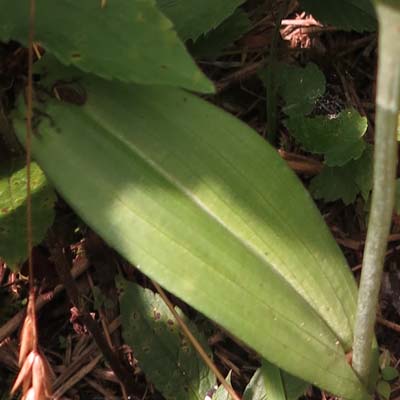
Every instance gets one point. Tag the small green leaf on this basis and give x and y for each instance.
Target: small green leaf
(262, 384)
(129, 40)
(345, 183)
(193, 18)
(255, 390)
(299, 87)
(164, 354)
(211, 44)
(389, 373)
(339, 139)
(384, 358)
(13, 234)
(334, 183)
(384, 390)
(221, 393)
(273, 383)
(294, 387)
(357, 15)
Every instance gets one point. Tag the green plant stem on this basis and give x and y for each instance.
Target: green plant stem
(385, 161)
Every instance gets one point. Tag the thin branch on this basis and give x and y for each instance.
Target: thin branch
(62, 259)
(29, 108)
(388, 324)
(195, 343)
(6, 330)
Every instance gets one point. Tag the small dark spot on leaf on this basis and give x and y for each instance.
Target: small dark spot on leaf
(76, 56)
(157, 315)
(170, 322)
(164, 67)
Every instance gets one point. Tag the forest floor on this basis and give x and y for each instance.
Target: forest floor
(348, 62)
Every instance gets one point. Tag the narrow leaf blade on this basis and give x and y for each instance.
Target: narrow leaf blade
(273, 381)
(269, 382)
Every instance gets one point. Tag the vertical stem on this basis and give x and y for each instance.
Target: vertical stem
(271, 78)
(29, 100)
(385, 160)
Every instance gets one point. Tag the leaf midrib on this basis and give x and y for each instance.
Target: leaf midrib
(104, 126)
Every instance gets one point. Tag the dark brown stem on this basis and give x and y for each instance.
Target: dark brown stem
(62, 258)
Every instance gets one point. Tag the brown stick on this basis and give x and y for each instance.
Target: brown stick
(195, 343)
(388, 324)
(6, 330)
(62, 259)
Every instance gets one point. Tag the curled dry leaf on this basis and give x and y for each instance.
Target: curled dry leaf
(27, 339)
(35, 374)
(35, 378)
(30, 395)
(28, 333)
(25, 373)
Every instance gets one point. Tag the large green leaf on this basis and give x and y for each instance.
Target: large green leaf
(164, 354)
(207, 208)
(128, 39)
(357, 15)
(338, 138)
(192, 18)
(13, 232)
(212, 44)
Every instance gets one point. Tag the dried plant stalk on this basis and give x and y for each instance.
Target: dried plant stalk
(35, 376)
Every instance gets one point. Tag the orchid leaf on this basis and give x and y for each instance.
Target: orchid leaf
(203, 205)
